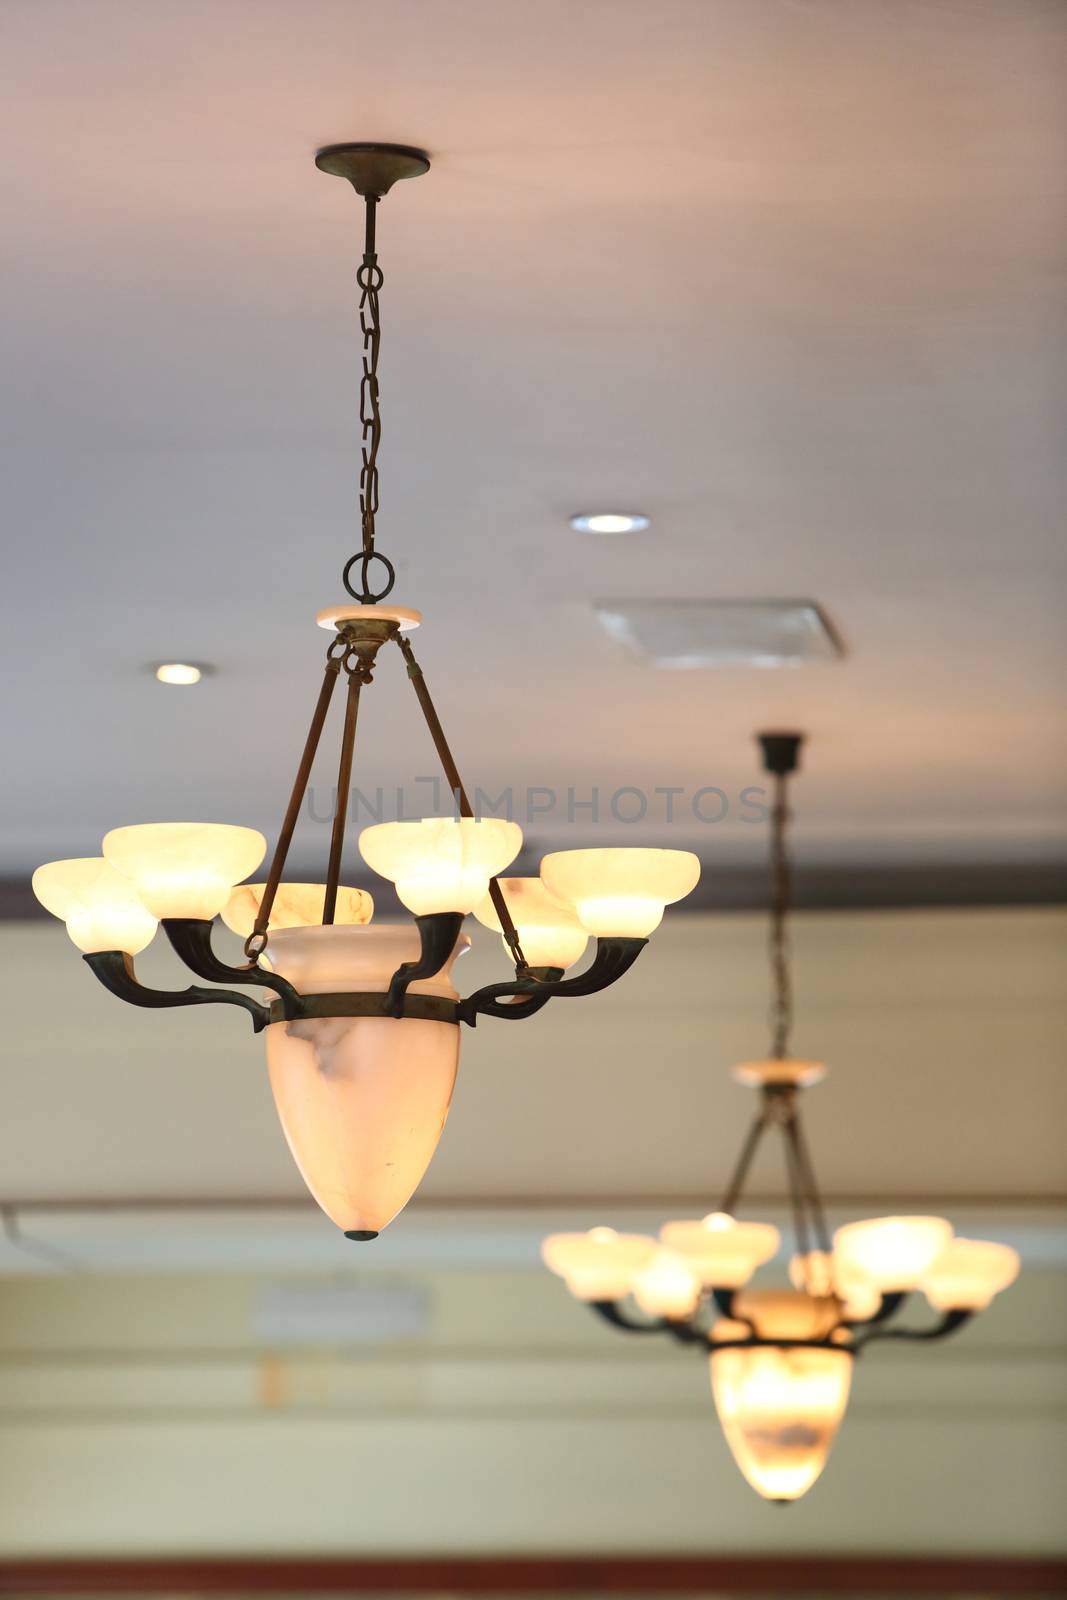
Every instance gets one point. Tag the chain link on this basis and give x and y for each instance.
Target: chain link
(370, 279)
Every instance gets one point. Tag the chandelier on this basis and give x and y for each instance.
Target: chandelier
(362, 1020)
(781, 1360)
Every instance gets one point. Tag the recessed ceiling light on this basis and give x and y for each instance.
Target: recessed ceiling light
(609, 522)
(183, 672)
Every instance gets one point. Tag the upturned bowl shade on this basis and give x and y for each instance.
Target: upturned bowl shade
(666, 1287)
(296, 905)
(100, 906)
(362, 1100)
(549, 932)
(893, 1253)
(722, 1252)
(620, 893)
(185, 869)
(819, 1274)
(441, 863)
(788, 1313)
(969, 1273)
(600, 1264)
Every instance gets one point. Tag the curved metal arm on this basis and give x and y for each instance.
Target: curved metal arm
(889, 1306)
(536, 989)
(190, 938)
(114, 968)
(949, 1322)
(613, 958)
(611, 1312)
(725, 1301)
(684, 1332)
(438, 932)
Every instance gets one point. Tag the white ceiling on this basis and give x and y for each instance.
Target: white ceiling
(787, 276)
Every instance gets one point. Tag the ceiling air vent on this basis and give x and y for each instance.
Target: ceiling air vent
(721, 633)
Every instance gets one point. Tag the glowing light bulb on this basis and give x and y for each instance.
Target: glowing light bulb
(178, 672)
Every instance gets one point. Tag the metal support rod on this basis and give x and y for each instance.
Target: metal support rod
(744, 1161)
(257, 938)
(798, 1199)
(780, 899)
(455, 783)
(807, 1168)
(340, 809)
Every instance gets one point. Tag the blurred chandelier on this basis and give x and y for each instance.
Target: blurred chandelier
(362, 1035)
(781, 1360)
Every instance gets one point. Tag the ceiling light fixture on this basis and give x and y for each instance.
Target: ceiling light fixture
(179, 672)
(362, 1034)
(610, 522)
(781, 1360)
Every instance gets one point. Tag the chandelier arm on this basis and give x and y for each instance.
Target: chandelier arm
(686, 1332)
(438, 932)
(748, 1150)
(190, 938)
(949, 1322)
(611, 1312)
(614, 957)
(455, 783)
(889, 1306)
(115, 970)
(341, 800)
(488, 1002)
(725, 1301)
(257, 939)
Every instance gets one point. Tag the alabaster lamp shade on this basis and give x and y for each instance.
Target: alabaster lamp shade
(441, 863)
(893, 1253)
(780, 1407)
(296, 905)
(968, 1273)
(780, 1410)
(100, 906)
(549, 933)
(362, 1100)
(185, 869)
(722, 1252)
(600, 1264)
(667, 1287)
(620, 893)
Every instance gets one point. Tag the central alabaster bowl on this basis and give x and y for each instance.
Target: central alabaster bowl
(362, 1100)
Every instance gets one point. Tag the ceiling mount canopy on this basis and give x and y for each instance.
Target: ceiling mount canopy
(372, 169)
(781, 1360)
(362, 1020)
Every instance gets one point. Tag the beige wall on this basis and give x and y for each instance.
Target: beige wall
(141, 1411)
(143, 1414)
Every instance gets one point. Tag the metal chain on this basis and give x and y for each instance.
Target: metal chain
(370, 279)
(781, 891)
